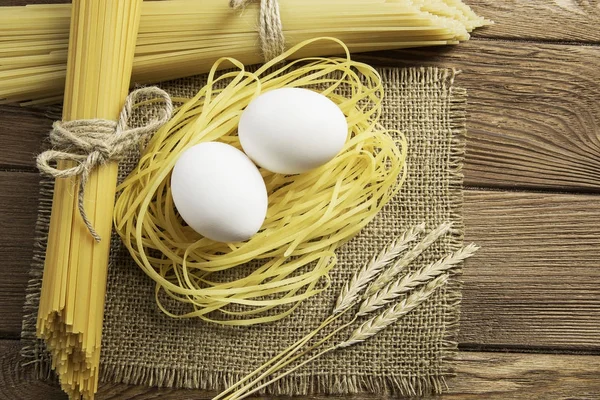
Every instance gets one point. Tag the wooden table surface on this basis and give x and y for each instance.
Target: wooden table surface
(530, 324)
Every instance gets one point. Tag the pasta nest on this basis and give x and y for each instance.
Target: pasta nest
(309, 215)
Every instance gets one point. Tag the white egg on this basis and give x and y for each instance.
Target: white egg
(292, 130)
(219, 192)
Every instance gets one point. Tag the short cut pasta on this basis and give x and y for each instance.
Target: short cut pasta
(309, 215)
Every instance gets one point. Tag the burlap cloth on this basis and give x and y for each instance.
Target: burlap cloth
(143, 346)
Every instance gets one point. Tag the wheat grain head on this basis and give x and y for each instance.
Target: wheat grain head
(388, 275)
(351, 290)
(393, 313)
(411, 280)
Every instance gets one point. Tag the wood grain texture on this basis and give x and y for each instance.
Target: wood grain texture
(23, 131)
(533, 124)
(533, 116)
(18, 205)
(502, 376)
(554, 20)
(536, 279)
(534, 283)
(494, 376)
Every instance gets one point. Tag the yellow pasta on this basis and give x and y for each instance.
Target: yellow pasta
(309, 216)
(185, 37)
(71, 305)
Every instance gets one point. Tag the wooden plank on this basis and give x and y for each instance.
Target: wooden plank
(533, 115)
(23, 131)
(558, 20)
(494, 376)
(501, 376)
(536, 280)
(534, 283)
(18, 205)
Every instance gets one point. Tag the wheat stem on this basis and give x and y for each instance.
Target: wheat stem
(350, 291)
(284, 355)
(376, 324)
(421, 285)
(285, 362)
(411, 280)
(278, 377)
(389, 274)
(378, 300)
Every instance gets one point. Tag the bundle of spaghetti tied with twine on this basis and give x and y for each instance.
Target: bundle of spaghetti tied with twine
(88, 145)
(179, 38)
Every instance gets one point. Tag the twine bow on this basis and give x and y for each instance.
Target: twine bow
(270, 29)
(94, 142)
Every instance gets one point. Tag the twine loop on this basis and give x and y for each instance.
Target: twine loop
(94, 142)
(270, 29)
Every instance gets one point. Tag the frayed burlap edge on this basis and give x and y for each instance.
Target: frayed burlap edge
(295, 386)
(33, 352)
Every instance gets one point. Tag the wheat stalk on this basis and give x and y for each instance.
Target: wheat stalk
(350, 291)
(378, 323)
(363, 332)
(389, 274)
(411, 280)
(420, 285)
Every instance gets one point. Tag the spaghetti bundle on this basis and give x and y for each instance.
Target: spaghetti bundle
(180, 38)
(71, 305)
(309, 216)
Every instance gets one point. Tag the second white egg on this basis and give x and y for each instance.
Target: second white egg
(292, 130)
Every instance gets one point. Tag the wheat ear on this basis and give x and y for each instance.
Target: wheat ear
(411, 280)
(389, 274)
(350, 291)
(363, 332)
(376, 324)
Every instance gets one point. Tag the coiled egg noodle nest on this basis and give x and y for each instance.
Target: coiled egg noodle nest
(309, 215)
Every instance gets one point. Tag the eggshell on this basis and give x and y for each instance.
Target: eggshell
(219, 192)
(292, 130)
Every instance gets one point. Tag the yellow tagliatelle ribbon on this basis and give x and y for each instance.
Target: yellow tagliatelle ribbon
(309, 216)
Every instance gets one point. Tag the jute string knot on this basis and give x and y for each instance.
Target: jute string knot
(94, 142)
(270, 29)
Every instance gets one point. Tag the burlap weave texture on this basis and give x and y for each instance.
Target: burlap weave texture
(143, 346)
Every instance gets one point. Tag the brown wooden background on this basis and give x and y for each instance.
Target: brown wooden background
(531, 310)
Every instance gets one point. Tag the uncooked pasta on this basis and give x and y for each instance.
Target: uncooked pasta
(71, 307)
(182, 37)
(309, 215)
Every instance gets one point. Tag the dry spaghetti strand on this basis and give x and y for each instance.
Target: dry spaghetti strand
(309, 216)
(181, 37)
(71, 309)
